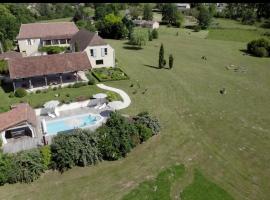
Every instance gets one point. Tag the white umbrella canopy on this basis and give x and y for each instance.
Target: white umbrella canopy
(100, 96)
(51, 104)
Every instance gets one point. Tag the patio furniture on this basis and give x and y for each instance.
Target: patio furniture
(102, 106)
(51, 115)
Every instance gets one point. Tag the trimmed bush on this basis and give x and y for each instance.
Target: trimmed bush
(260, 47)
(260, 52)
(112, 96)
(11, 95)
(79, 84)
(38, 91)
(20, 92)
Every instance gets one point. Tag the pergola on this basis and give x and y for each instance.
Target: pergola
(56, 65)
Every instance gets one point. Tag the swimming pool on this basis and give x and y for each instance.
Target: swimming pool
(70, 123)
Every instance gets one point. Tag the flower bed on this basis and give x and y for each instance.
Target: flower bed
(109, 74)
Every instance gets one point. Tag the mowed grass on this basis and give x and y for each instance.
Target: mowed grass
(203, 189)
(225, 136)
(38, 100)
(159, 188)
(232, 30)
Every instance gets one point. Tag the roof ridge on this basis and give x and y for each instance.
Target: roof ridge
(46, 23)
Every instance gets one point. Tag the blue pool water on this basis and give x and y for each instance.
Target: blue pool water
(69, 123)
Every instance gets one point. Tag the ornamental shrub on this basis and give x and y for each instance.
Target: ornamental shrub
(259, 47)
(77, 148)
(150, 122)
(20, 92)
(46, 156)
(5, 168)
(116, 137)
(26, 166)
(144, 132)
(155, 34)
(260, 52)
(91, 80)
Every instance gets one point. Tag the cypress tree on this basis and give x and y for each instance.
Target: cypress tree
(170, 61)
(161, 56)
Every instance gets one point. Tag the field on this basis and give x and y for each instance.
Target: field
(231, 30)
(225, 136)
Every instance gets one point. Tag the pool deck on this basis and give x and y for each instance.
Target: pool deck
(84, 110)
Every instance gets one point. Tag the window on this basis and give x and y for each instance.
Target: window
(104, 51)
(63, 41)
(29, 42)
(93, 52)
(68, 41)
(99, 62)
(55, 42)
(47, 42)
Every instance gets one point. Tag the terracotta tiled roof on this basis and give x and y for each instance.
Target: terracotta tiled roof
(48, 64)
(20, 113)
(52, 30)
(85, 38)
(10, 54)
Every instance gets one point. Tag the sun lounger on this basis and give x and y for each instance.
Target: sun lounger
(56, 112)
(102, 106)
(51, 115)
(97, 106)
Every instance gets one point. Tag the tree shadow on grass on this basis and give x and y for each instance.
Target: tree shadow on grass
(151, 66)
(246, 53)
(132, 47)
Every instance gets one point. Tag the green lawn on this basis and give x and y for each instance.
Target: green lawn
(225, 136)
(203, 189)
(231, 30)
(37, 100)
(158, 188)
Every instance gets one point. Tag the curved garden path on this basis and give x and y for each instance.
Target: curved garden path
(121, 104)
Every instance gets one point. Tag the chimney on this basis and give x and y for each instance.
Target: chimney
(96, 32)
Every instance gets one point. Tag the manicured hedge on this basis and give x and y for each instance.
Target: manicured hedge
(109, 74)
(20, 92)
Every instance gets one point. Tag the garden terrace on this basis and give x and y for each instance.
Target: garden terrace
(28, 72)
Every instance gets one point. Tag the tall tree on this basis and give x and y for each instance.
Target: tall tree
(161, 56)
(147, 12)
(204, 18)
(170, 13)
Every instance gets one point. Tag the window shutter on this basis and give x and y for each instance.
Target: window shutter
(102, 52)
(95, 53)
